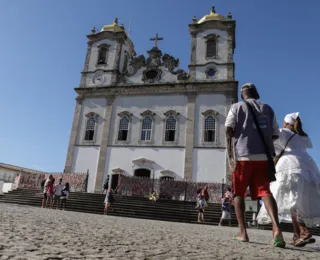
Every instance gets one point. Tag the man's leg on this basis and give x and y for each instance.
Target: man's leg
(240, 181)
(272, 209)
(240, 210)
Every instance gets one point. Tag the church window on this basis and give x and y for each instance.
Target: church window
(210, 129)
(123, 129)
(211, 72)
(170, 130)
(146, 129)
(102, 57)
(90, 127)
(125, 63)
(211, 48)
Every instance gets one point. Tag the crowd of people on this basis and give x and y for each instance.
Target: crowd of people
(276, 167)
(55, 196)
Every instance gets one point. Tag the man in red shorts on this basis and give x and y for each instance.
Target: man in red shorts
(252, 161)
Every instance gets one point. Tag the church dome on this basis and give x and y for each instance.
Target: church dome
(212, 16)
(113, 27)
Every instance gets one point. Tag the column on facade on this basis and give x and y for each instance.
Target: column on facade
(116, 65)
(188, 160)
(193, 59)
(228, 177)
(103, 146)
(73, 135)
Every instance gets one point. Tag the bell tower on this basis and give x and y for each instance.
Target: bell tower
(212, 47)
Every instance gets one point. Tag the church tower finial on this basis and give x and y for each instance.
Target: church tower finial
(213, 10)
(115, 21)
(93, 30)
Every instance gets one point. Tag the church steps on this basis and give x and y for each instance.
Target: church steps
(136, 207)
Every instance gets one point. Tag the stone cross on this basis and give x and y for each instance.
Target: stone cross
(156, 39)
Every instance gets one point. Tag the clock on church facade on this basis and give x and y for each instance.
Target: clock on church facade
(144, 116)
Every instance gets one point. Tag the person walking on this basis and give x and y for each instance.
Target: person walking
(64, 196)
(297, 189)
(226, 210)
(57, 194)
(253, 126)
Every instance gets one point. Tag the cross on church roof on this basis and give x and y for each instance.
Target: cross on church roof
(156, 39)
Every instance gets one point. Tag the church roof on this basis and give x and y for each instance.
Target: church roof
(113, 27)
(212, 16)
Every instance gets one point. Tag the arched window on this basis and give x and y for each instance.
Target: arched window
(102, 57)
(90, 127)
(146, 129)
(170, 129)
(211, 47)
(123, 129)
(210, 129)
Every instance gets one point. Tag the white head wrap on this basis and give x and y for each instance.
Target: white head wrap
(291, 118)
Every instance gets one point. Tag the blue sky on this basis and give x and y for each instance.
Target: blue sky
(44, 44)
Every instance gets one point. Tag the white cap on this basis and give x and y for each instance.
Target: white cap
(291, 118)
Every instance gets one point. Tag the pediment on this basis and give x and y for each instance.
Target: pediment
(117, 170)
(142, 161)
(171, 113)
(168, 173)
(147, 113)
(125, 113)
(92, 114)
(210, 112)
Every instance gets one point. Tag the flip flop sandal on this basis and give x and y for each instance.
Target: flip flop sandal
(279, 242)
(238, 239)
(301, 242)
(311, 240)
(291, 243)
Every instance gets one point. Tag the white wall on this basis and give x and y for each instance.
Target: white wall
(171, 159)
(209, 165)
(157, 104)
(95, 105)
(86, 158)
(216, 102)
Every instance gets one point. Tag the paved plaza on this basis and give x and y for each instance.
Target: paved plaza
(35, 233)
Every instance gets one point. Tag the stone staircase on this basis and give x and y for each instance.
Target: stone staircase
(136, 207)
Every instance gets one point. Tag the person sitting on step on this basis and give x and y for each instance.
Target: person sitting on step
(153, 196)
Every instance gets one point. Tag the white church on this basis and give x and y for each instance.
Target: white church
(143, 116)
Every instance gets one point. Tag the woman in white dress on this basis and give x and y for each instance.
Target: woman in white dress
(297, 188)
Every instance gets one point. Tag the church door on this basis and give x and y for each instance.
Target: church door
(142, 173)
(114, 181)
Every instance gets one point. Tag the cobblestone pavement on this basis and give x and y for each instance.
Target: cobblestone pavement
(34, 233)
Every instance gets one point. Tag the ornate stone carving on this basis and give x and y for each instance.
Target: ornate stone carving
(135, 64)
(151, 75)
(170, 63)
(154, 59)
(182, 75)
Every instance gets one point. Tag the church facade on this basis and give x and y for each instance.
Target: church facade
(143, 116)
